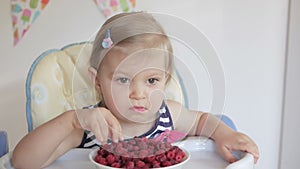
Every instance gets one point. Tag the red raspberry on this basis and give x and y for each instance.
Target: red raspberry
(129, 147)
(151, 147)
(102, 161)
(117, 157)
(116, 165)
(143, 153)
(147, 166)
(178, 158)
(166, 163)
(131, 154)
(170, 154)
(142, 145)
(102, 152)
(150, 158)
(125, 158)
(159, 152)
(129, 165)
(120, 150)
(140, 164)
(161, 147)
(175, 148)
(110, 159)
(155, 164)
(144, 139)
(135, 156)
(173, 161)
(161, 157)
(136, 148)
(97, 158)
(181, 153)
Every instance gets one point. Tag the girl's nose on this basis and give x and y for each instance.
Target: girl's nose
(137, 91)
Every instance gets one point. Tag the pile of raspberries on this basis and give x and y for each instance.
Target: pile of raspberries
(139, 153)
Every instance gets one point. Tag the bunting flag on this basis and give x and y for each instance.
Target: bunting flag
(24, 14)
(110, 7)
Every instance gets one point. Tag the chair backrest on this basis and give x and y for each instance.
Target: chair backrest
(58, 81)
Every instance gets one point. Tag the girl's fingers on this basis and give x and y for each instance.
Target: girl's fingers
(114, 134)
(95, 128)
(102, 123)
(226, 153)
(115, 129)
(103, 129)
(237, 142)
(247, 145)
(252, 149)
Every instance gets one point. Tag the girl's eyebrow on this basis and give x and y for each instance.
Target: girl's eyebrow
(155, 74)
(117, 73)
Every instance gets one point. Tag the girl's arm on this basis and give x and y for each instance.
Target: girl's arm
(55, 137)
(198, 123)
(47, 142)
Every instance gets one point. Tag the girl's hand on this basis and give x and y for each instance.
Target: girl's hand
(101, 122)
(236, 141)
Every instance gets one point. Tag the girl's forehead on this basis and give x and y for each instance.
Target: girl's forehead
(139, 55)
(139, 58)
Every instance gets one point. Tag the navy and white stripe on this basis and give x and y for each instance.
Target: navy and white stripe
(163, 122)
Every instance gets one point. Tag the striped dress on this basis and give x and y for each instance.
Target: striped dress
(163, 122)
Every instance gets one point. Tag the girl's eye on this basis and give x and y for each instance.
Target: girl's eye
(123, 80)
(152, 81)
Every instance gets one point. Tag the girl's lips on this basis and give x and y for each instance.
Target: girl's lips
(139, 109)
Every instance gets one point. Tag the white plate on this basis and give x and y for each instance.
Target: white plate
(202, 151)
(180, 165)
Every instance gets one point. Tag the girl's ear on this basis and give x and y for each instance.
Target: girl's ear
(94, 79)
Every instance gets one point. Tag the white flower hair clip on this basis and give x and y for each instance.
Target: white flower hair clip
(107, 42)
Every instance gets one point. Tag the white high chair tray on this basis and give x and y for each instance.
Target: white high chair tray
(203, 155)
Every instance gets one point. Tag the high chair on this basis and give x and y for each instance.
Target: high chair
(58, 81)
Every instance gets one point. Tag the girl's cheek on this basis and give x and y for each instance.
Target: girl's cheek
(121, 92)
(157, 92)
(156, 98)
(120, 97)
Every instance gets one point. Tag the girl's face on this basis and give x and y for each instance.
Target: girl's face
(132, 83)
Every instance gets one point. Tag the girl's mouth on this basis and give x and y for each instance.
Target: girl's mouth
(139, 109)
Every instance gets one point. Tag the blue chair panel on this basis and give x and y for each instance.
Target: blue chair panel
(227, 121)
(3, 143)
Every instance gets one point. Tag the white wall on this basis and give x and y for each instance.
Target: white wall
(290, 134)
(248, 35)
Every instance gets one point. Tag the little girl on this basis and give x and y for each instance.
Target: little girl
(131, 63)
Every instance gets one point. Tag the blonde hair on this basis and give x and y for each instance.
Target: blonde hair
(134, 27)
